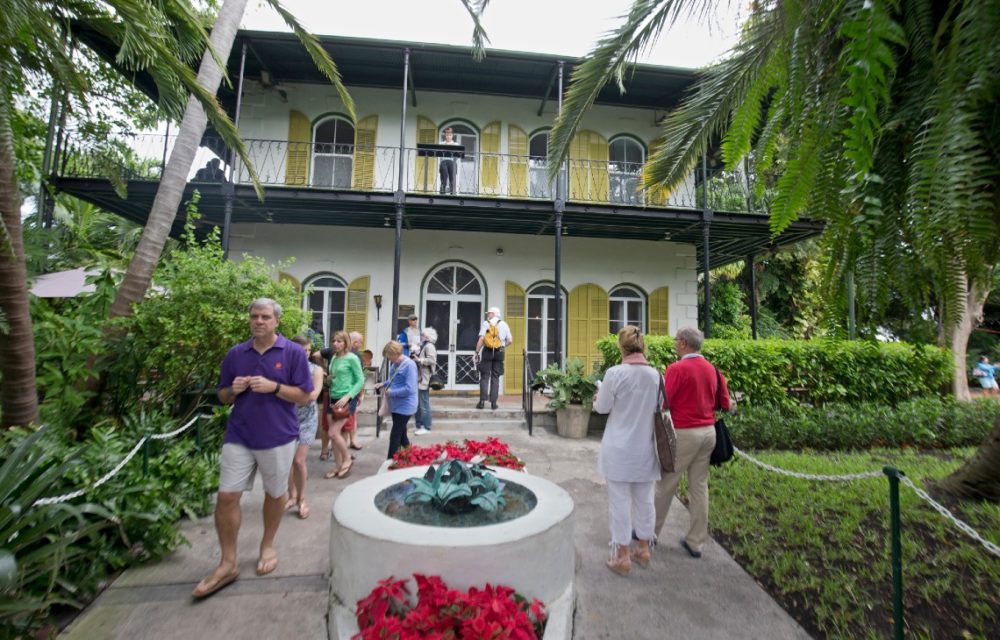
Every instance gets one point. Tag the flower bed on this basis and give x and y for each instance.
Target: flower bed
(492, 612)
(493, 452)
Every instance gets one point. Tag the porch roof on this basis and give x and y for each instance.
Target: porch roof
(367, 62)
(733, 236)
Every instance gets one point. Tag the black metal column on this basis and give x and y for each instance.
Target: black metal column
(400, 198)
(706, 223)
(559, 205)
(229, 187)
(752, 293)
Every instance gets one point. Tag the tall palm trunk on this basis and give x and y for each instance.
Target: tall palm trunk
(958, 335)
(18, 395)
(171, 189)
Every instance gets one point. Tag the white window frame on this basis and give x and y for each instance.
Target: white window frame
(309, 288)
(639, 297)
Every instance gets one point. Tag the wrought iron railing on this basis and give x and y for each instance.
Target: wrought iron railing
(376, 169)
(528, 393)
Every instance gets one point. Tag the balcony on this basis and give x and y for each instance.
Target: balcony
(375, 169)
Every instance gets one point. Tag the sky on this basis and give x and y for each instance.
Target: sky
(564, 27)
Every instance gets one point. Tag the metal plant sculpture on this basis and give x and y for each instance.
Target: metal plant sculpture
(455, 487)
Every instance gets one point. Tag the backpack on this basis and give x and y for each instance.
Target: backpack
(492, 337)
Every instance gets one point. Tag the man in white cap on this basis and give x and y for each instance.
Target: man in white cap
(494, 337)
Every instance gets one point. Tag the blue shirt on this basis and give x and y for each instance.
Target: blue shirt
(402, 387)
(988, 370)
(263, 420)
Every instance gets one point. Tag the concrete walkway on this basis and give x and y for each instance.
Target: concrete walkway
(677, 597)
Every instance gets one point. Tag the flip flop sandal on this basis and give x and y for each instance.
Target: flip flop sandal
(225, 581)
(303, 511)
(324, 456)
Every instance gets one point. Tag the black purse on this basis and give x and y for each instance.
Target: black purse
(724, 450)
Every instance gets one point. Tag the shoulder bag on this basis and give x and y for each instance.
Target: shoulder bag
(663, 433)
(384, 410)
(724, 450)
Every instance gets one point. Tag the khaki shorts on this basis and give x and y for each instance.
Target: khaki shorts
(238, 465)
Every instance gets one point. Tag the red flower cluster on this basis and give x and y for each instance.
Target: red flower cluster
(494, 612)
(496, 453)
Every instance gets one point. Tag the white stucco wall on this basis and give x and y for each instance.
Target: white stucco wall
(350, 253)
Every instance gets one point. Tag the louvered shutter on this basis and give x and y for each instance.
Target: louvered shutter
(516, 317)
(364, 153)
(598, 167)
(517, 167)
(290, 279)
(489, 182)
(588, 322)
(356, 314)
(425, 168)
(297, 154)
(659, 312)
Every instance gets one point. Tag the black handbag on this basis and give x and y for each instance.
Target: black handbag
(723, 451)
(436, 382)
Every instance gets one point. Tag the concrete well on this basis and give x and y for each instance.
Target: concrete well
(534, 554)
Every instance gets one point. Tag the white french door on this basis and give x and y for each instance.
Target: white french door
(453, 305)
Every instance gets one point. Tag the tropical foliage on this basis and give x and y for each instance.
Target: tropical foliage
(571, 385)
(883, 115)
(458, 487)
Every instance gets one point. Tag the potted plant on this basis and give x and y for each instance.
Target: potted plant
(572, 396)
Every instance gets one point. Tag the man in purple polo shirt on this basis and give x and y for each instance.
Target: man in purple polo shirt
(263, 378)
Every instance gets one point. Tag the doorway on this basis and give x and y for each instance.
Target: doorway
(453, 305)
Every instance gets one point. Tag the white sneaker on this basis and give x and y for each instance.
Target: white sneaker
(421, 431)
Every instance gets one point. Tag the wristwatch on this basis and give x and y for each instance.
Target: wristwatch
(277, 388)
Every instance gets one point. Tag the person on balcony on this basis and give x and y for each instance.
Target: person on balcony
(447, 169)
(211, 172)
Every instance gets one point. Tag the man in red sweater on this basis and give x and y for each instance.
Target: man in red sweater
(692, 395)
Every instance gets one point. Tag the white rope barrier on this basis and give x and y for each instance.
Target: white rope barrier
(966, 529)
(41, 502)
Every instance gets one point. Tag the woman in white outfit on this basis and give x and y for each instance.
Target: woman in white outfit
(630, 394)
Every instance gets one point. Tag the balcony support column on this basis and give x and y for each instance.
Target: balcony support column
(400, 197)
(752, 293)
(706, 223)
(559, 206)
(229, 186)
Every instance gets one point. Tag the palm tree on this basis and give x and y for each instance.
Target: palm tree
(884, 115)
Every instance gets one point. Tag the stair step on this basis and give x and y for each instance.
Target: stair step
(486, 427)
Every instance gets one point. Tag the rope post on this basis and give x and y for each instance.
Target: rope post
(897, 551)
(145, 456)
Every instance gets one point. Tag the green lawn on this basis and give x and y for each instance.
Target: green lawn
(822, 548)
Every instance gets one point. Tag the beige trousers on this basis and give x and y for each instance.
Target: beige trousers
(694, 448)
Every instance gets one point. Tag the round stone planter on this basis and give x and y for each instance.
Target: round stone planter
(533, 554)
(572, 420)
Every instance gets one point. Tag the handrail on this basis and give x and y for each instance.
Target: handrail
(372, 168)
(527, 394)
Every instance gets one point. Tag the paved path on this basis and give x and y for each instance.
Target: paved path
(678, 597)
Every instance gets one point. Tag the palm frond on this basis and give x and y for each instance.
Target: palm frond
(479, 37)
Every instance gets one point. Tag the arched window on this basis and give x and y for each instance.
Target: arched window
(325, 300)
(626, 306)
(542, 325)
(468, 168)
(538, 154)
(625, 159)
(333, 153)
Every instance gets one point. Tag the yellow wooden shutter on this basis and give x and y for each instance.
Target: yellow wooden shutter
(364, 153)
(588, 322)
(588, 167)
(659, 312)
(598, 167)
(516, 315)
(299, 143)
(654, 195)
(426, 167)
(517, 167)
(356, 314)
(290, 279)
(489, 183)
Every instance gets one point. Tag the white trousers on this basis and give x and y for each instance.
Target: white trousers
(626, 499)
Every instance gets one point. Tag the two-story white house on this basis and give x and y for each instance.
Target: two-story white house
(358, 205)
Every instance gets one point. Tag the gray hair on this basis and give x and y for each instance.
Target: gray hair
(691, 336)
(431, 333)
(266, 302)
(356, 336)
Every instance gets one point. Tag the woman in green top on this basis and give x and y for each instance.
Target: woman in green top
(346, 381)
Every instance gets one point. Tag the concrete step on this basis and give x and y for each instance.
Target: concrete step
(482, 426)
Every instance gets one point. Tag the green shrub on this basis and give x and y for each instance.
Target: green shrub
(928, 422)
(783, 372)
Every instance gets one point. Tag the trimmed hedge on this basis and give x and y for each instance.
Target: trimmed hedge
(788, 372)
(925, 423)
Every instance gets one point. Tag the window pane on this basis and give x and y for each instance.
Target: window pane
(543, 290)
(635, 313)
(625, 292)
(442, 281)
(337, 301)
(539, 146)
(534, 307)
(342, 172)
(344, 134)
(315, 302)
(465, 281)
(336, 323)
(326, 131)
(534, 335)
(323, 171)
(616, 310)
(535, 360)
(317, 324)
